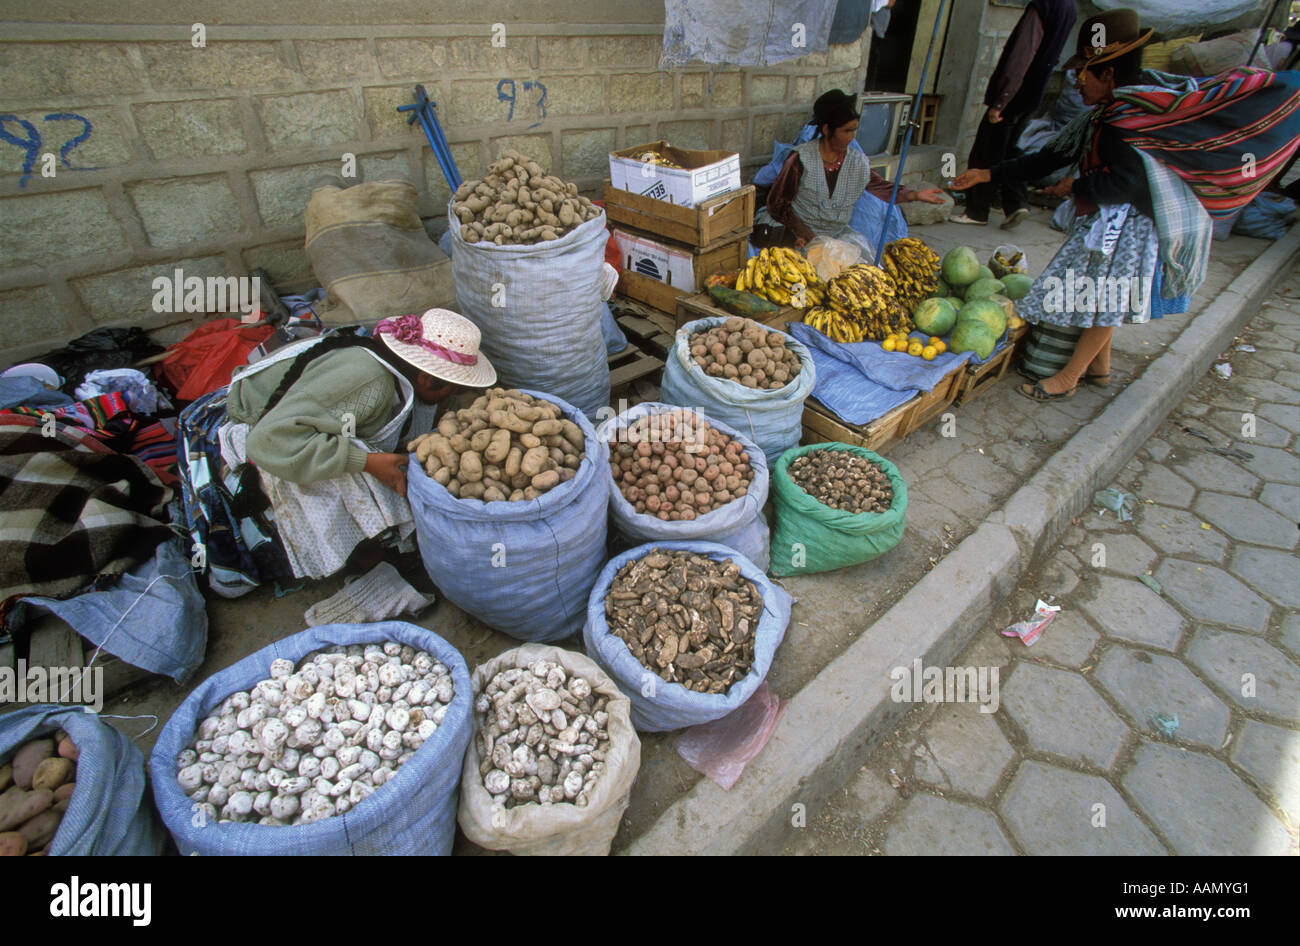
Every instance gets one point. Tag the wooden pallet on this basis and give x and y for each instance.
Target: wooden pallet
(52, 643)
(977, 379)
(632, 364)
(820, 425)
(622, 305)
(646, 335)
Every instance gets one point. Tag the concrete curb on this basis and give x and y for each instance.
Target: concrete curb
(842, 713)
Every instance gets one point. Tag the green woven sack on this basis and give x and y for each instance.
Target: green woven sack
(810, 537)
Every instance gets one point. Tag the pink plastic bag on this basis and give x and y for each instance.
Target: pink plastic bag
(721, 749)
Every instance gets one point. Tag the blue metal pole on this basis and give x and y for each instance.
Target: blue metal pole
(907, 137)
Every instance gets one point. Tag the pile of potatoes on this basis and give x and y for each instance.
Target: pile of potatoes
(677, 466)
(37, 786)
(519, 203)
(741, 350)
(504, 447)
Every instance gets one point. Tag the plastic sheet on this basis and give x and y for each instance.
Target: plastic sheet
(721, 749)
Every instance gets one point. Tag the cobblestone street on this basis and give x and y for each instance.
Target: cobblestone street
(1189, 611)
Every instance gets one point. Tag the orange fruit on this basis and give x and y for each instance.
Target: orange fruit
(888, 344)
(928, 352)
(915, 348)
(938, 345)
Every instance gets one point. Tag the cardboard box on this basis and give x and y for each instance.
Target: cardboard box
(726, 216)
(703, 174)
(657, 273)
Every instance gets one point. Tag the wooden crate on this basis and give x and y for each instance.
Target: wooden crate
(977, 379)
(718, 217)
(822, 426)
(718, 258)
(702, 306)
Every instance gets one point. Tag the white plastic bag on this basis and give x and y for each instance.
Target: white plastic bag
(830, 256)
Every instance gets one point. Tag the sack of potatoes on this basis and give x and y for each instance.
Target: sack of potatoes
(340, 739)
(554, 755)
(688, 630)
(506, 446)
(518, 203)
(73, 785)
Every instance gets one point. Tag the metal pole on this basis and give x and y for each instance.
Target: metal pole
(1259, 40)
(907, 138)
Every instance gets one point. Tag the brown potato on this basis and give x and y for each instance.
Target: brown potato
(533, 461)
(28, 757)
(39, 831)
(21, 806)
(52, 773)
(471, 467)
(546, 480)
(13, 844)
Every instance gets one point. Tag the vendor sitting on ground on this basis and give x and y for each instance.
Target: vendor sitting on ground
(308, 412)
(811, 205)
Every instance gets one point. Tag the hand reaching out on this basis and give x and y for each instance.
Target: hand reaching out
(970, 178)
(1062, 188)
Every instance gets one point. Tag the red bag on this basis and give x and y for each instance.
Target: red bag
(206, 358)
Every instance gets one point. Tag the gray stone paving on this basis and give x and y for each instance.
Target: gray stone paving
(1062, 715)
(1254, 674)
(1200, 805)
(1218, 647)
(1056, 812)
(938, 826)
(1208, 593)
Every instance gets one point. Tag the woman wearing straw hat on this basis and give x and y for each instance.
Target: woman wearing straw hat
(1156, 161)
(307, 412)
(324, 420)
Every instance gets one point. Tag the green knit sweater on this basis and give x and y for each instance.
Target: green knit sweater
(302, 440)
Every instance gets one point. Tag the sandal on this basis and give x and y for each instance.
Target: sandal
(1036, 393)
(1097, 380)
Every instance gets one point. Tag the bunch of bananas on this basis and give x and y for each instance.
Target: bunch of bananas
(914, 267)
(864, 296)
(834, 323)
(783, 276)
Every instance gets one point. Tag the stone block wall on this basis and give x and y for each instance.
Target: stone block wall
(165, 155)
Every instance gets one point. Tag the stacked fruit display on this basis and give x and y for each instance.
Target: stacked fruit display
(781, 275)
(914, 267)
(976, 307)
(862, 303)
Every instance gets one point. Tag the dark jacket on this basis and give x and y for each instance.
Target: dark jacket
(1024, 67)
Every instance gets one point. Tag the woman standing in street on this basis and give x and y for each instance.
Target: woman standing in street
(1155, 161)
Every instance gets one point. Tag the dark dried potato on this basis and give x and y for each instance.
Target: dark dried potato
(676, 466)
(505, 447)
(842, 480)
(689, 619)
(743, 351)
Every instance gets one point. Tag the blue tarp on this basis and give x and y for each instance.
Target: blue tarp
(153, 617)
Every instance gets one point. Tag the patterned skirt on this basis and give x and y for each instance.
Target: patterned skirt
(1082, 288)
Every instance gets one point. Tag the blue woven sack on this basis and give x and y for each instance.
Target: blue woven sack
(414, 812)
